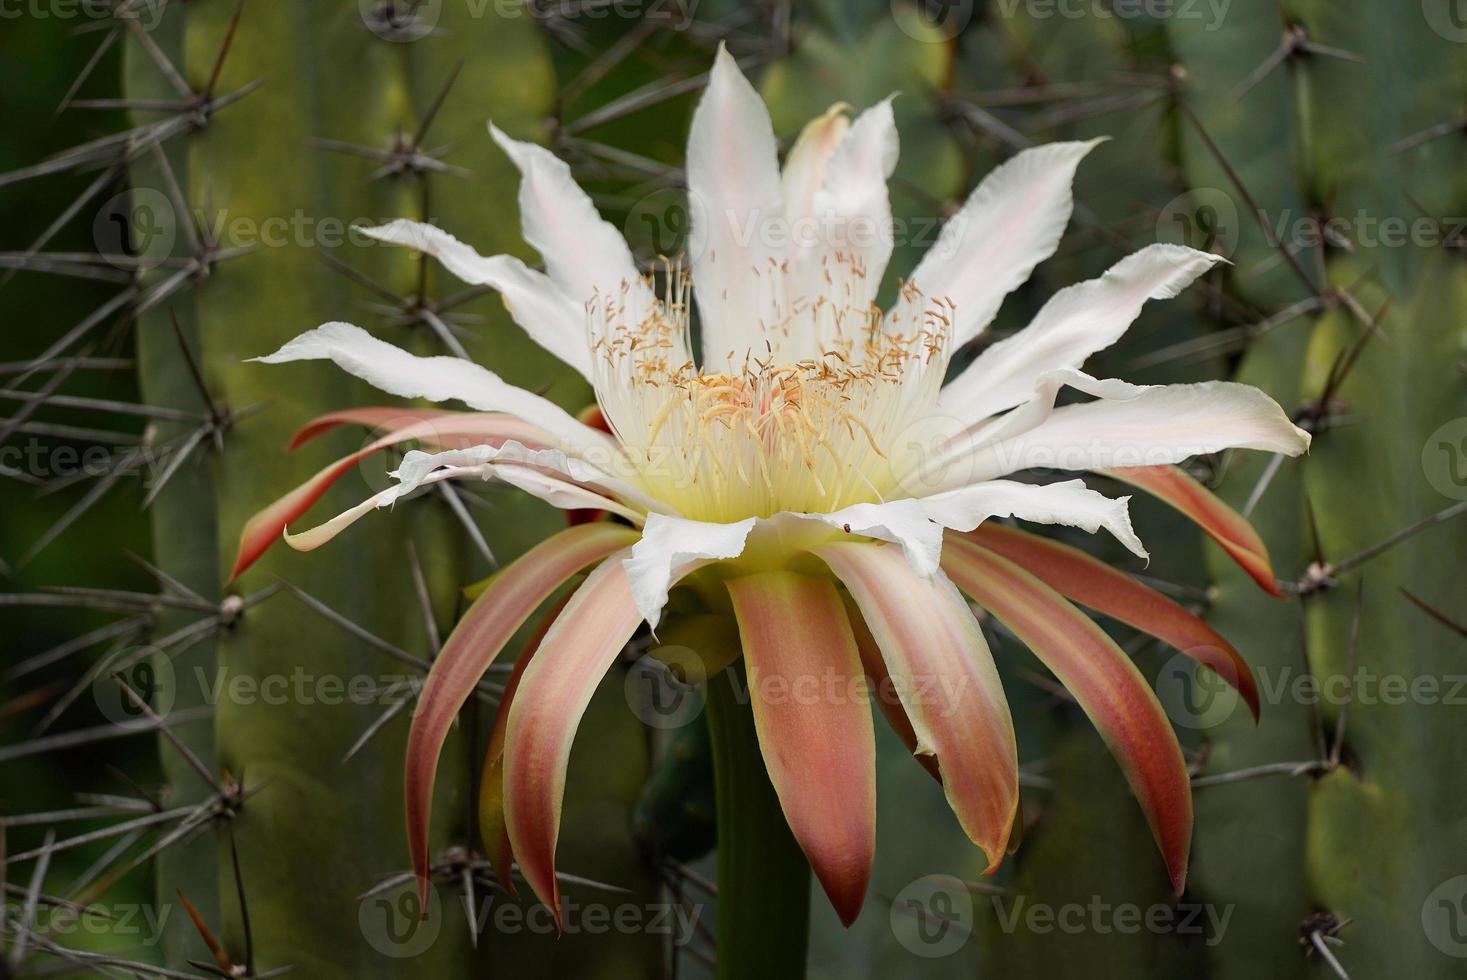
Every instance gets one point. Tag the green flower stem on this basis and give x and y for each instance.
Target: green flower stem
(763, 913)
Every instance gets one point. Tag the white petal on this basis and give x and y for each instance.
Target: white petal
(854, 198)
(670, 543)
(1077, 321)
(904, 522)
(549, 316)
(1009, 224)
(442, 378)
(584, 254)
(1070, 503)
(839, 248)
(551, 475)
(583, 471)
(918, 525)
(417, 464)
(561, 493)
(734, 186)
(806, 162)
(320, 534)
(1128, 425)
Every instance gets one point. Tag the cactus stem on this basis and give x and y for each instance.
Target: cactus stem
(763, 877)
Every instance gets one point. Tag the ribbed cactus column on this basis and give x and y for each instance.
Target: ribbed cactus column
(315, 833)
(1250, 834)
(185, 530)
(1385, 463)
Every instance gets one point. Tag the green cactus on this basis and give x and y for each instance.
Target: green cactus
(1327, 836)
(315, 831)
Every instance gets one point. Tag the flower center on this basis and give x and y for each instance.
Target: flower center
(809, 435)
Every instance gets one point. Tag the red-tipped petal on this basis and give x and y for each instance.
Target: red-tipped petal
(492, 828)
(814, 724)
(512, 595)
(447, 430)
(1227, 527)
(1104, 682)
(1094, 584)
(936, 653)
(599, 619)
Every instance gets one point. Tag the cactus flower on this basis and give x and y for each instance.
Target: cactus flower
(813, 474)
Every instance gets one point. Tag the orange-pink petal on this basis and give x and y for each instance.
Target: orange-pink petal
(935, 653)
(1227, 527)
(554, 691)
(492, 828)
(446, 430)
(512, 595)
(1094, 584)
(1104, 682)
(813, 719)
